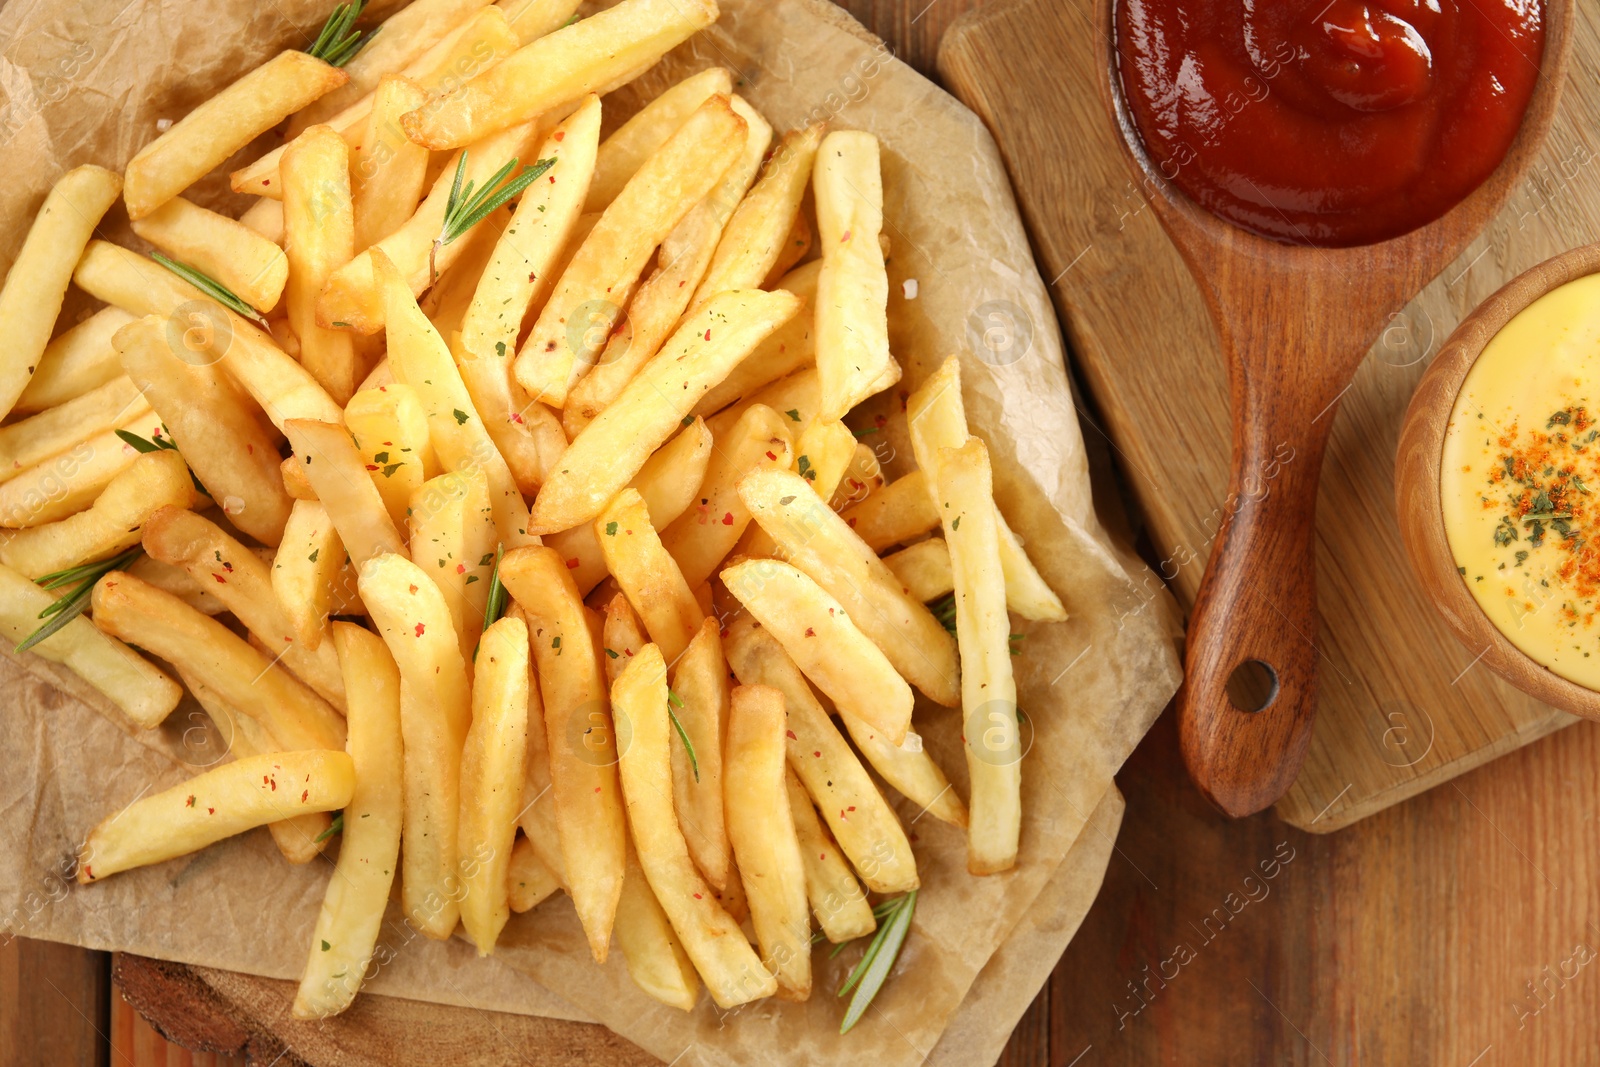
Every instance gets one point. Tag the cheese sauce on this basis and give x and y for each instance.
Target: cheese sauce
(1520, 481)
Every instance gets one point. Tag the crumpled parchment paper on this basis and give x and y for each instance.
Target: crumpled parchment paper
(87, 81)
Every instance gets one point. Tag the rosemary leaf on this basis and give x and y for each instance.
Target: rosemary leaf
(468, 205)
(873, 970)
(337, 827)
(674, 700)
(74, 603)
(944, 609)
(160, 444)
(495, 605)
(212, 288)
(337, 44)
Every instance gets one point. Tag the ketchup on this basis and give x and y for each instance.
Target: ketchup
(1328, 123)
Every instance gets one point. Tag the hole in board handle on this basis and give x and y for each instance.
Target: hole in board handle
(1253, 686)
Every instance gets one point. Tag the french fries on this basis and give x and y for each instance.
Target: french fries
(908, 767)
(229, 800)
(63, 485)
(647, 574)
(537, 817)
(142, 692)
(111, 526)
(699, 699)
(613, 447)
(435, 713)
(837, 899)
(863, 478)
(795, 395)
(213, 425)
(812, 536)
(200, 141)
(824, 642)
(492, 771)
(655, 957)
(898, 512)
(532, 19)
(861, 820)
(305, 571)
(74, 362)
(391, 431)
(320, 237)
(923, 569)
(853, 357)
(388, 182)
(453, 539)
(937, 419)
(31, 299)
(28, 441)
(244, 585)
(420, 359)
(572, 329)
(988, 691)
(579, 737)
(249, 265)
(134, 611)
(790, 347)
(352, 909)
(592, 56)
(334, 468)
(528, 880)
(724, 959)
(624, 152)
(822, 455)
(763, 836)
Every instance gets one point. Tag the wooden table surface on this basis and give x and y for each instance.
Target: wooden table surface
(1455, 929)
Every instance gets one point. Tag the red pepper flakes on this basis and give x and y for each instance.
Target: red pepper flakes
(708, 335)
(727, 520)
(772, 456)
(189, 803)
(372, 466)
(790, 735)
(413, 590)
(461, 568)
(220, 579)
(560, 135)
(211, 811)
(816, 753)
(810, 632)
(421, 629)
(304, 795)
(572, 564)
(697, 896)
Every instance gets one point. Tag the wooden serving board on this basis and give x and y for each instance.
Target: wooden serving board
(1403, 706)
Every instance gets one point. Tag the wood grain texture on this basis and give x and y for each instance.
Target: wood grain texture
(1402, 705)
(53, 1003)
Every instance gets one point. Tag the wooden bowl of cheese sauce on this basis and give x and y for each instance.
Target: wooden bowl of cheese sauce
(1498, 482)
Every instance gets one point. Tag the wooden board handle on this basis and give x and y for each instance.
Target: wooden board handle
(1251, 636)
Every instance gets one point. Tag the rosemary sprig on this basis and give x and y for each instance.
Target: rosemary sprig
(495, 605)
(873, 970)
(73, 604)
(465, 208)
(337, 44)
(160, 444)
(676, 701)
(212, 288)
(337, 827)
(944, 609)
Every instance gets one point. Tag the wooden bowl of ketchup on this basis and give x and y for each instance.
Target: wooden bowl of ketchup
(1316, 163)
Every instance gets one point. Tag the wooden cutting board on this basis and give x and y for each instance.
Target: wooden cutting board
(1403, 706)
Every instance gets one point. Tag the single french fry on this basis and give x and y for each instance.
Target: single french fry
(295, 482)
(660, 302)
(447, 302)
(528, 435)
(811, 536)
(74, 362)
(594, 55)
(200, 141)
(244, 584)
(988, 691)
(492, 771)
(320, 237)
(725, 960)
(763, 835)
(111, 526)
(404, 37)
(795, 247)
(580, 739)
(265, 217)
(923, 569)
(305, 570)
(453, 539)
(522, 268)
(837, 899)
(391, 432)
(28, 441)
(532, 19)
(861, 820)
(824, 641)
(537, 816)
(622, 636)
(894, 514)
(655, 957)
(528, 880)
(251, 266)
(863, 478)
(143, 693)
(790, 348)
(755, 235)
(435, 711)
(353, 297)
(421, 360)
(704, 535)
(937, 419)
(647, 574)
(386, 184)
(176, 580)
(668, 482)
(853, 289)
(624, 152)
(205, 331)
(796, 396)
(214, 426)
(822, 455)
(220, 803)
(909, 768)
(30, 300)
(335, 470)
(700, 685)
(352, 909)
(561, 345)
(63, 485)
(613, 448)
